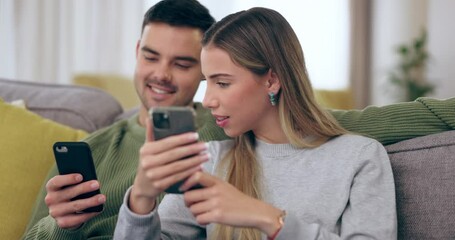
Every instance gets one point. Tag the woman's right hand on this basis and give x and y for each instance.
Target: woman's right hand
(159, 167)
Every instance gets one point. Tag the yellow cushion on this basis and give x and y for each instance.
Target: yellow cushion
(335, 99)
(122, 88)
(25, 158)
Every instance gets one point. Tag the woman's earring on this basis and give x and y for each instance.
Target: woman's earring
(272, 98)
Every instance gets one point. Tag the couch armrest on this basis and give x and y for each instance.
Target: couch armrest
(424, 172)
(79, 107)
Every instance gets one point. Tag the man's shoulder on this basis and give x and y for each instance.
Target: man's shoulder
(102, 135)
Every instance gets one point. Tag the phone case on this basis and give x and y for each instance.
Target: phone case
(76, 157)
(169, 121)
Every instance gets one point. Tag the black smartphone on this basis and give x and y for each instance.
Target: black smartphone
(173, 120)
(76, 157)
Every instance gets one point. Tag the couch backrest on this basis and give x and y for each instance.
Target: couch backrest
(424, 172)
(79, 107)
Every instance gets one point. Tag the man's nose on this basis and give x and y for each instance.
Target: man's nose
(162, 72)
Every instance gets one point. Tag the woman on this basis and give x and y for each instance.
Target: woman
(290, 172)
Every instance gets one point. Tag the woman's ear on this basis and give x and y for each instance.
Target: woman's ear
(273, 82)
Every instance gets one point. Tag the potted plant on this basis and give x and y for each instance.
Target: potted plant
(409, 74)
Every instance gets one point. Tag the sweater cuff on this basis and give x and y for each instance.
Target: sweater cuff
(293, 228)
(48, 228)
(136, 226)
(134, 218)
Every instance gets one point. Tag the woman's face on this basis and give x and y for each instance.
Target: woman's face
(237, 98)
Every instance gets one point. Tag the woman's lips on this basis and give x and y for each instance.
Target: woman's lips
(221, 121)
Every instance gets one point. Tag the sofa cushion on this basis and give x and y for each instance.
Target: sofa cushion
(79, 107)
(424, 172)
(118, 86)
(25, 158)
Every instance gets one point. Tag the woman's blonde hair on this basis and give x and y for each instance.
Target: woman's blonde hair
(261, 40)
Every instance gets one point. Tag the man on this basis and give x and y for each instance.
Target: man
(168, 73)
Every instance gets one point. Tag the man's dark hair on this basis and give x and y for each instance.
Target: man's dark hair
(179, 13)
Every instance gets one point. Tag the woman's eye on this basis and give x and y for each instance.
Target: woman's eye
(223, 84)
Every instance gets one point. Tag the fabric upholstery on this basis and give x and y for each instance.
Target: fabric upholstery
(75, 106)
(25, 158)
(424, 172)
(120, 87)
(335, 99)
(424, 167)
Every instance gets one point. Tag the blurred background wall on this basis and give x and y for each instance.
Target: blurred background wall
(349, 45)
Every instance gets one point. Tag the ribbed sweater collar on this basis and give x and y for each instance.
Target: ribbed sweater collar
(269, 150)
(136, 130)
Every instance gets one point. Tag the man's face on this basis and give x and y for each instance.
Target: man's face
(168, 70)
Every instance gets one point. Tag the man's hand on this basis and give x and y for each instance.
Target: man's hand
(61, 189)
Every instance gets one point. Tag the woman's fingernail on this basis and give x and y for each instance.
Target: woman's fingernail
(194, 136)
(205, 156)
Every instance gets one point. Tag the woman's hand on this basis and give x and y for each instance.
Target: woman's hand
(160, 166)
(220, 202)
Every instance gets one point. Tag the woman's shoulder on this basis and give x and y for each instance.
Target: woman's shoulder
(353, 139)
(354, 147)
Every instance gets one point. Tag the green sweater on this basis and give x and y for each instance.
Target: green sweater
(116, 152)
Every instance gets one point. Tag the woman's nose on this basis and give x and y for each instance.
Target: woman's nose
(208, 101)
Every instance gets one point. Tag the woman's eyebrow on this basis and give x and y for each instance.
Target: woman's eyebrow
(217, 75)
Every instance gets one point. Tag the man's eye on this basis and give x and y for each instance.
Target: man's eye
(183, 66)
(151, 59)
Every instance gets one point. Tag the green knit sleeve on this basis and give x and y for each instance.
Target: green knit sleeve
(40, 219)
(40, 209)
(396, 122)
(53, 231)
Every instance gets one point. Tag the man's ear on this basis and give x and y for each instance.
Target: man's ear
(273, 82)
(137, 47)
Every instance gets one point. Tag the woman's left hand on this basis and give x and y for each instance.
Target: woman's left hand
(220, 202)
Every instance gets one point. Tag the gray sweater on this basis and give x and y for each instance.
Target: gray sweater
(343, 189)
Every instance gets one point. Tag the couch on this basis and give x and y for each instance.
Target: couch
(423, 167)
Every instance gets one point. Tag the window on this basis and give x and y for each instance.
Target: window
(322, 28)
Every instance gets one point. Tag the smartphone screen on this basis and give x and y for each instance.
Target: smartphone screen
(168, 121)
(76, 157)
